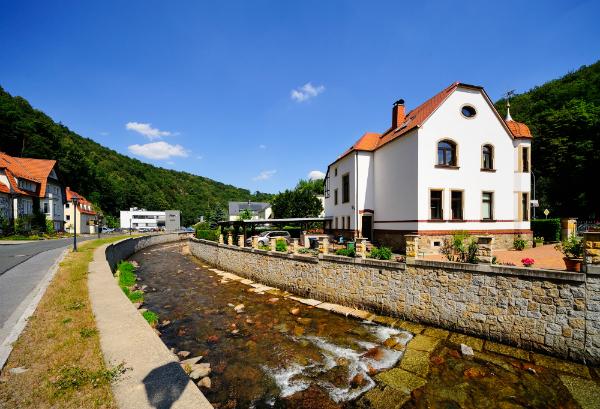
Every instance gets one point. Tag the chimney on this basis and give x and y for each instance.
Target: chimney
(397, 113)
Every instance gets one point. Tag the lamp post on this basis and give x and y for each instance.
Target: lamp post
(100, 217)
(533, 177)
(75, 201)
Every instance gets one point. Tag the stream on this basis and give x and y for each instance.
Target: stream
(268, 351)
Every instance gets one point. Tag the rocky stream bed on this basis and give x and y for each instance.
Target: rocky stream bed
(262, 349)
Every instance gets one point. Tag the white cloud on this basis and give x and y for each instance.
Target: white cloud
(316, 174)
(264, 175)
(306, 92)
(261, 146)
(104, 133)
(147, 130)
(158, 150)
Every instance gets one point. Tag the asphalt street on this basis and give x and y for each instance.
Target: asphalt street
(14, 254)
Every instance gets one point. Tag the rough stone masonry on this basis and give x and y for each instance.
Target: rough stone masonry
(550, 311)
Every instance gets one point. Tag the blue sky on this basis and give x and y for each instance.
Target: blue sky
(220, 89)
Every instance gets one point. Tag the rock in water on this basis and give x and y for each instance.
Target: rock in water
(239, 308)
(183, 354)
(466, 350)
(391, 342)
(272, 300)
(200, 371)
(358, 380)
(374, 353)
(295, 311)
(205, 382)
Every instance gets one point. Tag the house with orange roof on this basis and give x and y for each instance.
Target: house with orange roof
(83, 214)
(27, 184)
(451, 164)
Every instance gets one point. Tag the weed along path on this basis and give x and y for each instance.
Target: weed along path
(263, 348)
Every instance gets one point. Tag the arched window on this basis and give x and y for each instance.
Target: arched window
(487, 157)
(446, 153)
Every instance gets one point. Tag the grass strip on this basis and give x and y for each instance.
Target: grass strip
(60, 347)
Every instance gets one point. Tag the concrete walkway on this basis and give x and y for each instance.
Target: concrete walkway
(154, 379)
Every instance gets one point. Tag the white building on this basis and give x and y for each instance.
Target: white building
(259, 210)
(142, 219)
(450, 164)
(83, 215)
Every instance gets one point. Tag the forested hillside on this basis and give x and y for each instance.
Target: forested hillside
(564, 117)
(107, 178)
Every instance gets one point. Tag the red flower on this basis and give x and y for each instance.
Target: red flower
(528, 262)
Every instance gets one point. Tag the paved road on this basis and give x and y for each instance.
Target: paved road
(14, 254)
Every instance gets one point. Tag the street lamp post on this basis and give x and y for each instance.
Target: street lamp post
(533, 177)
(75, 201)
(100, 216)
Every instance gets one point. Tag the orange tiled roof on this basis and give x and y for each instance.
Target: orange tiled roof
(416, 117)
(14, 185)
(35, 170)
(4, 188)
(518, 129)
(81, 201)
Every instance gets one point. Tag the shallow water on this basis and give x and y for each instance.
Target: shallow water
(263, 356)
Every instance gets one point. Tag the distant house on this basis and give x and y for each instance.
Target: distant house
(259, 210)
(84, 213)
(142, 219)
(27, 183)
(450, 164)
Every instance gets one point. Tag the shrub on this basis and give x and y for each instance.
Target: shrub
(519, 243)
(151, 317)
(539, 240)
(571, 247)
(346, 252)
(126, 274)
(207, 234)
(549, 229)
(281, 245)
(460, 248)
(50, 227)
(381, 253)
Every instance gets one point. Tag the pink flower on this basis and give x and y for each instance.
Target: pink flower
(528, 262)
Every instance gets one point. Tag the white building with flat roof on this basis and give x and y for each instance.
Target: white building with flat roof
(142, 219)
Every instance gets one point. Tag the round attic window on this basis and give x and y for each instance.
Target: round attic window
(468, 111)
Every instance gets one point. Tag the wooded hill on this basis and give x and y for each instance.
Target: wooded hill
(564, 118)
(110, 180)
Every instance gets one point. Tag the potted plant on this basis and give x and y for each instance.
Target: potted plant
(528, 262)
(572, 248)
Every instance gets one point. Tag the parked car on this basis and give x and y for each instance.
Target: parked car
(265, 237)
(107, 230)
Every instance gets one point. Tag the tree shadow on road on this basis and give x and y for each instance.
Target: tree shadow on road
(165, 384)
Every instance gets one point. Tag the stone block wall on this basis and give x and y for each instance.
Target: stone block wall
(550, 311)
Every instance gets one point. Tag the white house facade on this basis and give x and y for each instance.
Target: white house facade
(142, 219)
(259, 210)
(451, 164)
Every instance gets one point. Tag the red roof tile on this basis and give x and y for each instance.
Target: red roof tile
(416, 117)
(34, 170)
(4, 188)
(81, 201)
(519, 129)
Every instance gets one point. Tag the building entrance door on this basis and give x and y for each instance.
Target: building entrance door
(367, 226)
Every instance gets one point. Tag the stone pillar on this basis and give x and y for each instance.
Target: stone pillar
(591, 249)
(362, 249)
(254, 242)
(221, 241)
(568, 227)
(241, 241)
(485, 247)
(230, 239)
(273, 243)
(306, 241)
(295, 246)
(325, 243)
(412, 245)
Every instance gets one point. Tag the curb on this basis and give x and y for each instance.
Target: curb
(154, 377)
(6, 347)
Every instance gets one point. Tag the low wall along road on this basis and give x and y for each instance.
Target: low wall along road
(550, 311)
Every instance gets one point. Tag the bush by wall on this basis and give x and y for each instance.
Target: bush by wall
(212, 235)
(549, 229)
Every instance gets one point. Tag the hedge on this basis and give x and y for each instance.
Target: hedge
(549, 229)
(212, 235)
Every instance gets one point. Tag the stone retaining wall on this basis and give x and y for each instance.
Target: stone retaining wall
(551, 311)
(121, 250)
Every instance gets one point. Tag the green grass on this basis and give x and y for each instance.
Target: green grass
(136, 296)
(72, 378)
(151, 317)
(126, 274)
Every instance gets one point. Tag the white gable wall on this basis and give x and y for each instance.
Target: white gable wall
(396, 183)
(344, 165)
(470, 134)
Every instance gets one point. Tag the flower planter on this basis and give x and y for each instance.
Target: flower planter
(573, 264)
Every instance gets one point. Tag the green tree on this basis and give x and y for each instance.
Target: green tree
(245, 214)
(317, 186)
(296, 203)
